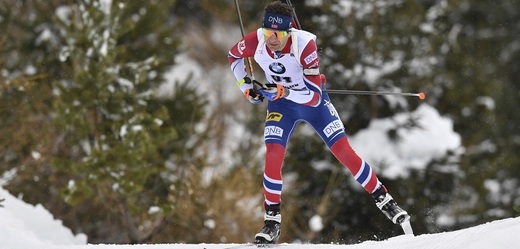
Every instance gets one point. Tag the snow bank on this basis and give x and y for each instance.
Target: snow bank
(25, 224)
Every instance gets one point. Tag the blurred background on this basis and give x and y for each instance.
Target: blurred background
(123, 119)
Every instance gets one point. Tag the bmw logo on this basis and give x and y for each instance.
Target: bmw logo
(276, 67)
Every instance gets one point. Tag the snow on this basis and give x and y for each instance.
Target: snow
(316, 223)
(25, 226)
(414, 148)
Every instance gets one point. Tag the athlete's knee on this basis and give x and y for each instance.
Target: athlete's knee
(274, 149)
(345, 154)
(341, 145)
(274, 160)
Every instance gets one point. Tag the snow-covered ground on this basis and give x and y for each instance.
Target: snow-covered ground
(24, 226)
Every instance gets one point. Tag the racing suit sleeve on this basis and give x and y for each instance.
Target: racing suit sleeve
(244, 48)
(310, 62)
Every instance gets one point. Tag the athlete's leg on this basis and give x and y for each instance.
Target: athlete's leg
(280, 121)
(273, 194)
(328, 125)
(274, 156)
(326, 122)
(361, 170)
(365, 175)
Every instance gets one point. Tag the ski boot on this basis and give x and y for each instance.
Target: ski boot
(272, 225)
(391, 210)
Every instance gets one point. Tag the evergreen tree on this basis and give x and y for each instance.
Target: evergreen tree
(113, 146)
(461, 55)
(480, 93)
(26, 132)
(366, 45)
(82, 129)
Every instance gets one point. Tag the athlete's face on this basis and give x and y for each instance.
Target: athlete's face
(275, 39)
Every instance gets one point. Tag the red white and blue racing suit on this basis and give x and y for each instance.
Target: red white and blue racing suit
(296, 68)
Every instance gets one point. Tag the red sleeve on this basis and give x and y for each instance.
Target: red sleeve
(310, 59)
(244, 48)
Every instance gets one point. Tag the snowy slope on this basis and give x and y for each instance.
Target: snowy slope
(24, 226)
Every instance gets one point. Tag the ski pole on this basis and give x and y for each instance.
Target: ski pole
(420, 95)
(249, 64)
(297, 22)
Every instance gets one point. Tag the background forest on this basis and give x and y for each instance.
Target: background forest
(121, 117)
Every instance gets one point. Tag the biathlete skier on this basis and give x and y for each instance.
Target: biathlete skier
(290, 61)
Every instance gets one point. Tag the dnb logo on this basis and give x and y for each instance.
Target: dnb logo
(277, 68)
(332, 127)
(274, 116)
(273, 131)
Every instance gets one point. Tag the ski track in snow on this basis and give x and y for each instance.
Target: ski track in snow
(24, 226)
(500, 234)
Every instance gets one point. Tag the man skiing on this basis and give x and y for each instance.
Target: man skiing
(290, 61)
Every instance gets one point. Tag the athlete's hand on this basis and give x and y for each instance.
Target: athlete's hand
(250, 93)
(253, 97)
(274, 91)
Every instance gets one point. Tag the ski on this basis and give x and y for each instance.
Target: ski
(251, 245)
(407, 227)
(269, 245)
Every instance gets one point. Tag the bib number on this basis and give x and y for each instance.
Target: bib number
(277, 78)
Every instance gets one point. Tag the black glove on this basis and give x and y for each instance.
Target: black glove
(252, 94)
